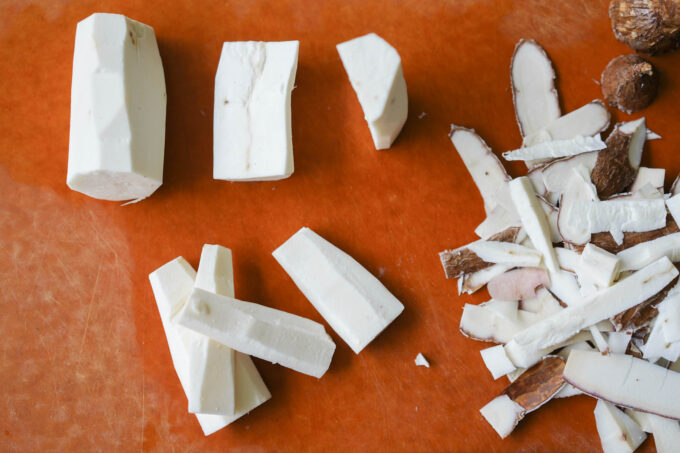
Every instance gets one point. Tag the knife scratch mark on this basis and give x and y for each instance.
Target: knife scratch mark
(89, 311)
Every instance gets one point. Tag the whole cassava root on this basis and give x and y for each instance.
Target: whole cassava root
(648, 26)
(629, 83)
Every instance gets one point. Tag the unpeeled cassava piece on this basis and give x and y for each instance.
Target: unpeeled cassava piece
(252, 138)
(649, 26)
(374, 70)
(531, 390)
(355, 304)
(629, 83)
(617, 166)
(118, 99)
(171, 284)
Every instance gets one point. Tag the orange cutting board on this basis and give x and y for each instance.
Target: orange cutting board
(84, 363)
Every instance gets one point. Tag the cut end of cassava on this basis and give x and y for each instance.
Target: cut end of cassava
(113, 185)
(533, 87)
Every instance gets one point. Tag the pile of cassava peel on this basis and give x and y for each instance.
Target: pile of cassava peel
(578, 260)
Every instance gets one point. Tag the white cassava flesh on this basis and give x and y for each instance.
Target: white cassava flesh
(533, 88)
(641, 418)
(543, 304)
(673, 205)
(591, 119)
(653, 176)
(507, 308)
(503, 414)
(507, 253)
(572, 228)
(552, 215)
(625, 381)
(618, 342)
(656, 345)
(422, 361)
(528, 346)
(486, 169)
(619, 216)
(118, 100)
(666, 433)
(497, 220)
(468, 284)
(568, 259)
(374, 70)
(171, 285)
(354, 302)
(556, 149)
(259, 331)
(485, 324)
(638, 130)
(618, 432)
(497, 361)
(642, 254)
(211, 363)
(669, 314)
(556, 174)
(252, 138)
(568, 389)
(675, 187)
(533, 219)
(597, 267)
(651, 135)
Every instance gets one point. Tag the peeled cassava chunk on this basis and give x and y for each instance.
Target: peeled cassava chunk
(374, 70)
(354, 302)
(171, 284)
(252, 138)
(259, 331)
(118, 99)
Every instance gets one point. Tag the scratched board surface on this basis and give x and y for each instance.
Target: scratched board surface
(84, 364)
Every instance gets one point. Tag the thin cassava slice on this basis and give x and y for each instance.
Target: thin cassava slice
(533, 87)
(591, 119)
(625, 381)
(486, 169)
